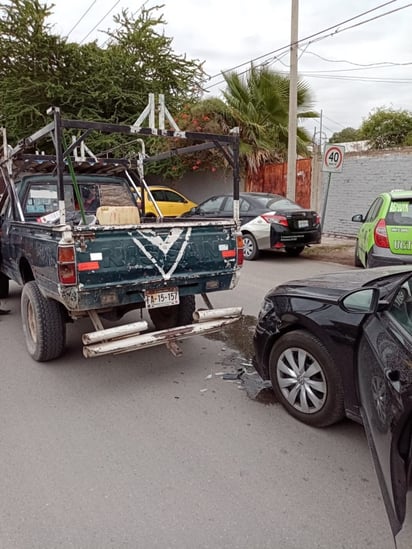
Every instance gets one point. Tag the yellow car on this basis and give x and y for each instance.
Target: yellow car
(170, 202)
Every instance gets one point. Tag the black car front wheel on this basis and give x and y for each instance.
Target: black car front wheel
(250, 247)
(306, 380)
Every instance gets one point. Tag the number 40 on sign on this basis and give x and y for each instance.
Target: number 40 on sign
(333, 158)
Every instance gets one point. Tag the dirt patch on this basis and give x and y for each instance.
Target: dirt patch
(339, 253)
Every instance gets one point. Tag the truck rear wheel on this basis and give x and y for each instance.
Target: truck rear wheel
(4, 286)
(43, 324)
(175, 315)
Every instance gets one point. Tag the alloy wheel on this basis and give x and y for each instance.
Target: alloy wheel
(301, 380)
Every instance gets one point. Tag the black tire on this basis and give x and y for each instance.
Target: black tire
(43, 324)
(250, 247)
(4, 286)
(318, 399)
(164, 318)
(294, 251)
(357, 262)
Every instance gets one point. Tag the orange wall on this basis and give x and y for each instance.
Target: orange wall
(272, 178)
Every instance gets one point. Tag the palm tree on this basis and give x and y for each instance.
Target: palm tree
(259, 104)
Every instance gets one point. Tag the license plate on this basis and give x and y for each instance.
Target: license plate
(161, 298)
(303, 223)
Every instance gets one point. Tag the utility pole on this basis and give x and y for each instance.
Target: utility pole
(293, 99)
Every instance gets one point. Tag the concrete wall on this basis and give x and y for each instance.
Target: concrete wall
(201, 185)
(364, 176)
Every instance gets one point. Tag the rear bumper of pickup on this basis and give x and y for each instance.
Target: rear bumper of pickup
(127, 338)
(80, 299)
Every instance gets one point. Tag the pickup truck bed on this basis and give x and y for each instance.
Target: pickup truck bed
(108, 267)
(72, 235)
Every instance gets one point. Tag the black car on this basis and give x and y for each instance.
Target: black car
(341, 344)
(269, 221)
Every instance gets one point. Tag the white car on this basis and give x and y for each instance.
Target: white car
(269, 221)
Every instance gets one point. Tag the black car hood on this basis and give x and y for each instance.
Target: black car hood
(337, 284)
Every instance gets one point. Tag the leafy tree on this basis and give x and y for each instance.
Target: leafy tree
(346, 135)
(259, 105)
(208, 116)
(29, 64)
(110, 83)
(387, 128)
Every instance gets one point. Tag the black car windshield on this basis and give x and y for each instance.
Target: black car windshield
(276, 202)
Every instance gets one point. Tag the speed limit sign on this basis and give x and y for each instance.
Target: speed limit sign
(333, 158)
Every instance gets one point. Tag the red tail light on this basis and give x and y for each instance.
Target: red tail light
(239, 247)
(381, 235)
(273, 218)
(317, 221)
(66, 265)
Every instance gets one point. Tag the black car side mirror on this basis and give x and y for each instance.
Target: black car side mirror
(364, 301)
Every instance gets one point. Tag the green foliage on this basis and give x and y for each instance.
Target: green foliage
(111, 83)
(387, 128)
(408, 140)
(345, 136)
(29, 62)
(207, 116)
(259, 105)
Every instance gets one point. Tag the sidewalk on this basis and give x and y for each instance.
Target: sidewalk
(335, 240)
(334, 249)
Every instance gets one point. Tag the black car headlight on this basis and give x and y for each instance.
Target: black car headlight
(265, 309)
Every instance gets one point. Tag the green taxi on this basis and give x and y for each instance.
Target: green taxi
(385, 237)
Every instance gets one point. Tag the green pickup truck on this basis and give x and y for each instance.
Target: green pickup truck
(76, 242)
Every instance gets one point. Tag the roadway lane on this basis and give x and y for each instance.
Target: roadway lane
(132, 451)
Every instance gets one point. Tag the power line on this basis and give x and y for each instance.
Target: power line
(306, 38)
(365, 68)
(133, 15)
(327, 36)
(328, 76)
(81, 18)
(336, 31)
(360, 78)
(97, 24)
(334, 121)
(361, 23)
(329, 130)
(383, 63)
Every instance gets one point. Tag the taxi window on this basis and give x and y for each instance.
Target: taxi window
(170, 196)
(400, 212)
(374, 209)
(158, 195)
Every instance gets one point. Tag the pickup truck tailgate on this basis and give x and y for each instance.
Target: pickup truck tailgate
(194, 257)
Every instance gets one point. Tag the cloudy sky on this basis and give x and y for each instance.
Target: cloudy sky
(350, 71)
